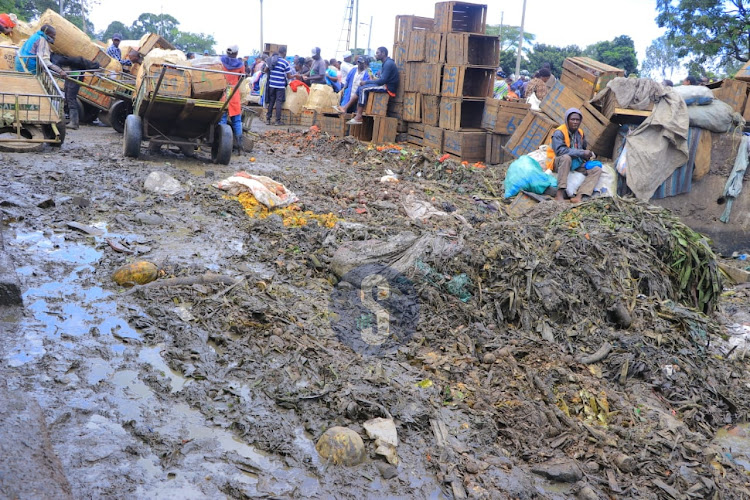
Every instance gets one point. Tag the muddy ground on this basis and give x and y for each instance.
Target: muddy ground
(210, 389)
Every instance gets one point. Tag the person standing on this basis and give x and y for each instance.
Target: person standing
(77, 66)
(567, 153)
(38, 46)
(233, 64)
(317, 73)
(6, 24)
(114, 51)
(388, 82)
(278, 78)
(346, 65)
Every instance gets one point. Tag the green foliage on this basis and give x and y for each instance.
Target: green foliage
(553, 55)
(707, 29)
(193, 42)
(166, 26)
(117, 27)
(661, 59)
(509, 38)
(619, 53)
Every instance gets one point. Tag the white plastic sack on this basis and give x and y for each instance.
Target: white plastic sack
(534, 101)
(622, 162)
(607, 184)
(267, 191)
(540, 155)
(695, 94)
(575, 179)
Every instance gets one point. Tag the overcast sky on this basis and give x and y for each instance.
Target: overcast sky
(304, 24)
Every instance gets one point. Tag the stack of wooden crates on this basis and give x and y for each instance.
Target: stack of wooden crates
(447, 70)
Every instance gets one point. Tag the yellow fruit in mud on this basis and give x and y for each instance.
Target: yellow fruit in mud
(252, 158)
(342, 446)
(136, 273)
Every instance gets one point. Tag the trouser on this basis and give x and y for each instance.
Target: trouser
(562, 167)
(363, 92)
(276, 97)
(236, 124)
(71, 99)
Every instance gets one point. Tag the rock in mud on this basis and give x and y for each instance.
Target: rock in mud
(564, 471)
(10, 286)
(387, 471)
(161, 183)
(342, 446)
(383, 431)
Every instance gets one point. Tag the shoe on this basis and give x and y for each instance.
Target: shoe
(268, 121)
(353, 122)
(278, 123)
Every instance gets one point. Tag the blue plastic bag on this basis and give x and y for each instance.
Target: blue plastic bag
(525, 174)
(592, 164)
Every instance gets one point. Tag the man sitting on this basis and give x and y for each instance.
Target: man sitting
(567, 152)
(388, 82)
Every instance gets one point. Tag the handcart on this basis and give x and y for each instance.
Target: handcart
(107, 95)
(180, 121)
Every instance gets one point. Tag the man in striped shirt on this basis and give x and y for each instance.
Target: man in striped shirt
(280, 71)
(114, 51)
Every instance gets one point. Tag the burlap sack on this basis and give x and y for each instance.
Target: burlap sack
(70, 41)
(295, 101)
(320, 98)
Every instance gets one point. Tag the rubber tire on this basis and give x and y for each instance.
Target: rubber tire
(132, 136)
(48, 134)
(221, 149)
(86, 112)
(33, 132)
(117, 115)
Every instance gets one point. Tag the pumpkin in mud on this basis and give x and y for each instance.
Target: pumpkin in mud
(136, 273)
(341, 446)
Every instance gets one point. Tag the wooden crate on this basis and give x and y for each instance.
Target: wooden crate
(154, 41)
(400, 53)
(433, 138)
(416, 52)
(533, 131)
(427, 78)
(431, 110)
(364, 131)
(733, 92)
(434, 50)
(334, 125)
(207, 84)
(461, 114)
(503, 117)
(586, 76)
(395, 109)
(466, 49)
(377, 104)
(410, 80)
(176, 82)
(405, 24)
(598, 131)
(289, 118)
(451, 17)
(272, 48)
(746, 112)
(744, 73)
(384, 130)
(415, 133)
(98, 99)
(494, 152)
(308, 117)
(467, 81)
(612, 109)
(412, 107)
(559, 99)
(468, 146)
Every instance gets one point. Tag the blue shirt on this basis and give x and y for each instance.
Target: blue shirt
(277, 78)
(116, 54)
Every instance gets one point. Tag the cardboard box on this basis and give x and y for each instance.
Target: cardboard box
(533, 131)
(384, 130)
(405, 24)
(8, 57)
(468, 146)
(412, 107)
(467, 81)
(415, 133)
(461, 114)
(586, 76)
(473, 50)
(434, 51)
(176, 82)
(431, 110)
(377, 104)
(206, 84)
(433, 138)
(465, 17)
(416, 45)
(503, 117)
(495, 154)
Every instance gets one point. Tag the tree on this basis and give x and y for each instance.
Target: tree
(619, 53)
(707, 29)
(555, 56)
(194, 42)
(75, 11)
(117, 27)
(509, 45)
(163, 24)
(661, 59)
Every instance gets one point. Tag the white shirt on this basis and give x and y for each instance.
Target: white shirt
(345, 69)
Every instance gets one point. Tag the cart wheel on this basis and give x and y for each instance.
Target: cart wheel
(27, 132)
(104, 118)
(118, 113)
(131, 139)
(86, 112)
(221, 149)
(49, 134)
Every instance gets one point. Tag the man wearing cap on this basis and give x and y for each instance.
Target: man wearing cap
(38, 46)
(568, 152)
(354, 79)
(346, 65)
(233, 64)
(388, 82)
(317, 72)
(114, 51)
(6, 24)
(278, 77)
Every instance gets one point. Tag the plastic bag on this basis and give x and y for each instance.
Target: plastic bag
(540, 155)
(267, 191)
(717, 117)
(526, 174)
(622, 162)
(534, 101)
(695, 95)
(575, 179)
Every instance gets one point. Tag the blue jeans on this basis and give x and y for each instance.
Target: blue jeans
(236, 124)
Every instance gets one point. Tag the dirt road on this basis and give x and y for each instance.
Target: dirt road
(212, 390)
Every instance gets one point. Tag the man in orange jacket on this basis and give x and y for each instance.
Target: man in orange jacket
(232, 63)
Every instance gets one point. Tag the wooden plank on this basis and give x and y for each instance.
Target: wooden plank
(405, 24)
(733, 92)
(489, 115)
(377, 104)
(582, 88)
(533, 131)
(31, 109)
(473, 50)
(467, 81)
(558, 100)
(412, 107)
(433, 138)
(435, 48)
(400, 54)
(384, 130)
(461, 114)
(460, 17)
(599, 131)
(416, 50)
(468, 146)
(431, 110)
(364, 131)
(429, 78)
(410, 82)
(495, 154)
